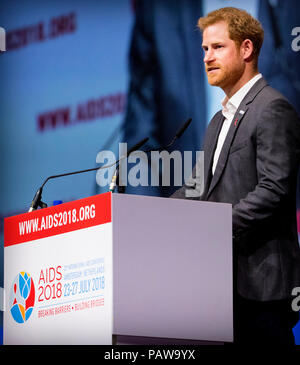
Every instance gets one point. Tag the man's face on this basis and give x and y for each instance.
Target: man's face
(224, 64)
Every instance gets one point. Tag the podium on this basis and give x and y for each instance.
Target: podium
(117, 264)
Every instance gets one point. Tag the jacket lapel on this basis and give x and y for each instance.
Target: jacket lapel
(209, 149)
(236, 122)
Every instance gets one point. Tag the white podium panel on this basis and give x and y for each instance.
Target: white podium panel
(172, 268)
(58, 274)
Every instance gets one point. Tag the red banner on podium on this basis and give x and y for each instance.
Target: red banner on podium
(58, 219)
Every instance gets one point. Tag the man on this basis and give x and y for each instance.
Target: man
(251, 159)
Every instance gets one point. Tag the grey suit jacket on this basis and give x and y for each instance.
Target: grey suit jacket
(257, 174)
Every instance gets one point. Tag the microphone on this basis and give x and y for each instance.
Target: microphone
(182, 129)
(178, 134)
(37, 200)
(115, 179)
(136, 147)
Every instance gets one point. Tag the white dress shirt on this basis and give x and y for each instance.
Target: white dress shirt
(230, 107)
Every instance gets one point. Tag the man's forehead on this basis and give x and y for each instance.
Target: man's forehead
(217, 32)
(220, 28)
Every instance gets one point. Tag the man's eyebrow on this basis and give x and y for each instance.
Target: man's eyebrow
(213, 44)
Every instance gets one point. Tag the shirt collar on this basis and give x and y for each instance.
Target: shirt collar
(231, 105)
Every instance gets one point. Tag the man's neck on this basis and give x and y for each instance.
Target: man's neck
(229, 92)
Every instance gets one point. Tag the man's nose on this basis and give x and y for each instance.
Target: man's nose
(208, 56)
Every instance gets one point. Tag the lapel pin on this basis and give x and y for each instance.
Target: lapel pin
(236, 122)
(242, 112)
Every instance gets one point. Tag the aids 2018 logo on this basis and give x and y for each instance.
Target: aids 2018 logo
(22, 296)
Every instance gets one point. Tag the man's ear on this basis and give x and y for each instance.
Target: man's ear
(247, 50)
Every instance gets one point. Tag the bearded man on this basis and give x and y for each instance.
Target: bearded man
(251, 160)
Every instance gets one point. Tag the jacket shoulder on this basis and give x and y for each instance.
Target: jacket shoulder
(269, 98)
(268, 95)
